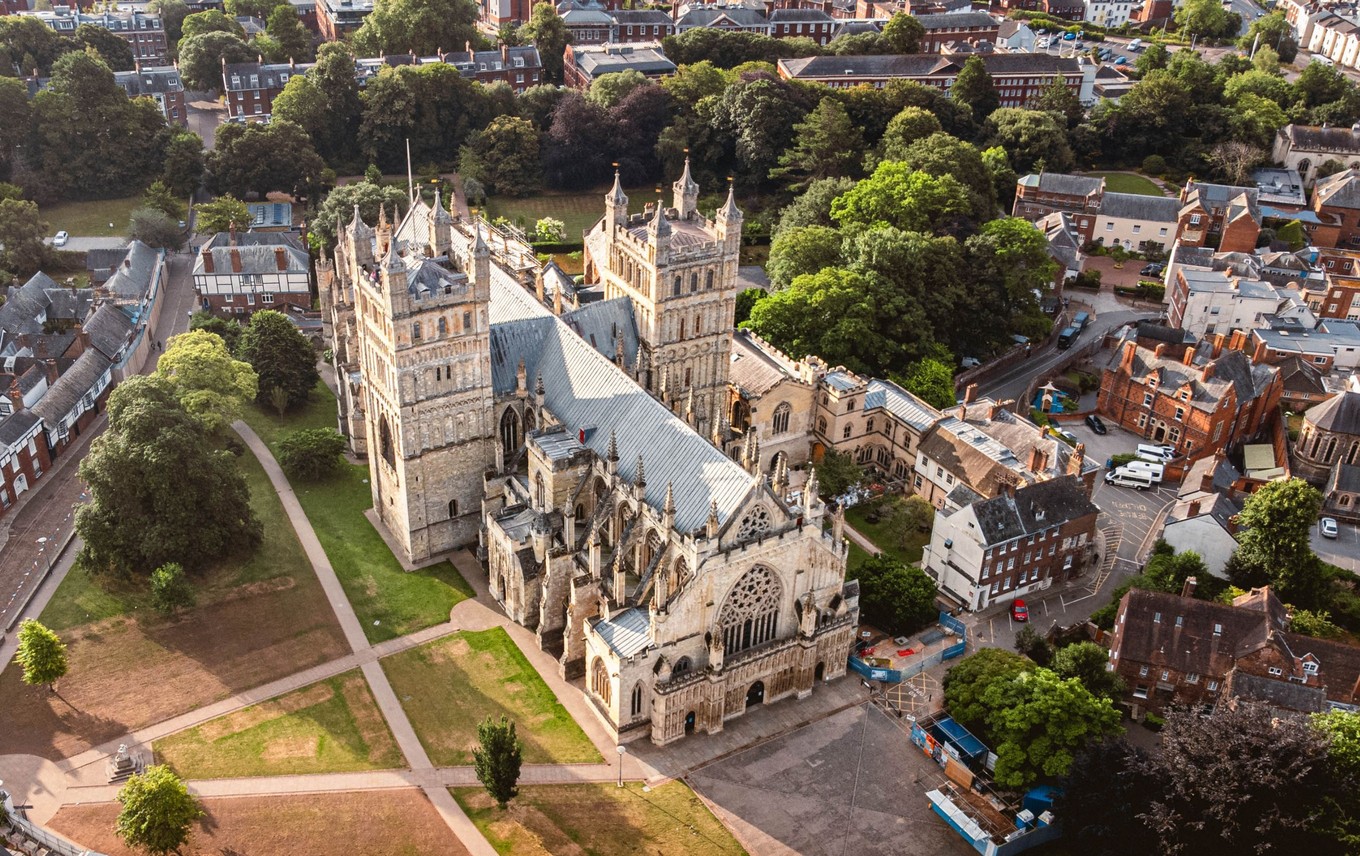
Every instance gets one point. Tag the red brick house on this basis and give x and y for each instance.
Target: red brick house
(1172, 649)
(23, 452)
(251, 87)
(802, 23)
(1339, 196)
(1220, 216)
(1200, 403)
(520, 67)
(957, 27)
(336, 19)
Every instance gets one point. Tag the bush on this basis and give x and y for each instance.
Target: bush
(1088, 279)
(312, 454)
(170, 589)
(1153, 722)
(1154, 165)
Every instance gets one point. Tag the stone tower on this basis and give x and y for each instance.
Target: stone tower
(680, 270)
(421, 310)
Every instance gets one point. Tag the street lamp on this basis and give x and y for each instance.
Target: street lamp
(622, 750)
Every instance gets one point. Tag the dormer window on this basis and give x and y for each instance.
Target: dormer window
(1276, 671)
(1310, 668)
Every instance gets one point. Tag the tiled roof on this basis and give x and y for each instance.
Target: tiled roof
(1339, 191)
(1058, 182)
(1137, 206)
(109, 329)
(132, 278)
(626, 633)
(1310, 138)
(1033, 508)
(602, 323)
(799, 16)
(645, 58)
(16, 427)
(1339, 414)
(259, 259)
(900, 403)
(66, 393)
(957, 20)
(756, 369)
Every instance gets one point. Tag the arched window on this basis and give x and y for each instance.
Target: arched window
(821, 425)
(636, 707)
(708, 281)
(679, 574)
(415, 331)
(781, 418)
(510, 431)
(682, 666)
(682, 329)
(899, 469)
(443, 326)
(693, 283)
(675, 286)
(385, 443)
(453, 508)
(540, 491)
(698, 325)
(599, 680)
(750, 613)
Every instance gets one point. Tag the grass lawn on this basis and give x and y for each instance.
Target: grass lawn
(450, 685)
(333, 726)
(857, 556)
(599, 819)
(389, 601)
(878, 533)
(91, 219)
(1124, 182)
(258, 618)
(579, 211)
(374, 823)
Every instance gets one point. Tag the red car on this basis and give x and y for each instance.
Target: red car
(1019, 612)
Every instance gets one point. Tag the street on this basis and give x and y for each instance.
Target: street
(1343, 550)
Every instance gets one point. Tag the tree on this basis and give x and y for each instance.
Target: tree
(325, 103)
(183, 166)
(201, 57)
(1317, 624)
(15, 117)
(932, 381)
(112, 48)
(157, 811)
(833, 313)
(286, 29)
(261, 9)
(941, 154)
(27, 43)
(1038, 721)
(813, 206)
(837, 473)
(908, 126)
(260, 158)
(424, 27)
(1059, 99)
(546, 30)
(1031, 138)
(908, 519)
(1151, 59)
(42, 655)
(155, 228)
(894, 596)
(897, 196)
(1273, 545)
(221, 214)
(227, 329)
(1087, 662)
(1320, 84)
(1168, 572)
(281, 356)
(826, 145)
(497, 759)
(504, 157)
(312, 454)
(1106, 790)
(1032, 645)
(170, 589)
(211, 21)
(760, 116)
(1342, 730)
(973, 88)
(145, 509)
(172, 14)
(212, 387)
(966, 683)
(608, 90)
(22, 251)
(1009, 258)
(1206, 19)
(159, 197)
(902, 34)
(341, 203)
(802, 250)
(1234, 160)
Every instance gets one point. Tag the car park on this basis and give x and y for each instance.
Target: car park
(1156, 453)
(1327, 526)
(1094, 423)
(61, 239)
(1156, 471)
(1124, 477)
(1019, 611)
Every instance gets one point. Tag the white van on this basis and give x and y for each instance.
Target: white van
(1154, 470)
(1135, 44)
(1159, 454)
(1124, 477)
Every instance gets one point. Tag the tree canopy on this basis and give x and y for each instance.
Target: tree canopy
(424, 27)
(208, 382)
(157, 812)
(895, 597)
(41, 653)
(283, 360)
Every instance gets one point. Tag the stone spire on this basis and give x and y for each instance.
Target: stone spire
(686, 193)
(611, 456)
(712, 525)
(659, 228)
(810, 489)
(479, 247)
(779, 479)
(616, 202)
(441, 214)
(715, 429)
(730, 212)
(668, 507)
(641, 479)
(357, 226)
(619, 358)
(392, 262)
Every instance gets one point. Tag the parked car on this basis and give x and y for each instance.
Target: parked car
(1096, 425)
(1327, 526)
(1121, 61)
(1069, 37)
(61, 239)
(1153, 269)
(1019, 611)
(970, 362)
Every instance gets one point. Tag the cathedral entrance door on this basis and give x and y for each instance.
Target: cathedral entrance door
(756, 694)
(819, 672)
(689, 722)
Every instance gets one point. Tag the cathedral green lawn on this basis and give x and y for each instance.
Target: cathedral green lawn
(333, 726)
(578, 211)
(450, 685)
(879, 534)
(389, 601)
(600, 819)
(91, 219)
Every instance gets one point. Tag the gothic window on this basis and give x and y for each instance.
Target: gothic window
(708, 281)
(693, 283)
(869, 426)
(754, 525)
(580, 513)
(467, 321)
(821, 425)
(675, 287)
(443, 326)
(636, 707)
(899, 469)
(541, 491)
(415, 331)
(781, 418)
(698, 324)
(599, 680)
(687, 378)
(510, 431)
(682, 666)
(883, 456)
(385, 443)
(750, 614)
(682, 329)
(679, 575)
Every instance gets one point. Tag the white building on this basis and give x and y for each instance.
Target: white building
(1335, 37)
(1134, 220)
(1202, 522)
(1015, 37)
(1108, 13)
(237, 274)
(1204, 302)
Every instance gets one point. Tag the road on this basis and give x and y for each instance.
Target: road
(1013, 383)
(204, 116)
(1343, 550)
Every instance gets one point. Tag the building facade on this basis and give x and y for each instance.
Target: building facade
(234, 276)
(1303, 148)
(336, 19)
(583, 63)
(1330, 436)
(1018, 78)
(161, 84)
(251, 87)
(144, 33)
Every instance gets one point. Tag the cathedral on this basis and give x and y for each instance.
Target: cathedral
(579, 437)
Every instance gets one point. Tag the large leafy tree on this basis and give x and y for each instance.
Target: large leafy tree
(15, 116)
(41, 653)
(1038, 721)
(210, 21)
(1087, 662)
(211, 386)
(902, 34)
(639, 120)
(172, 14)
(1034, 139)
(1206, 19)
(1153, 118)
(281, 356)
(157, 812)
(1010, 260)
(30, 45)
(546, 30)
(201, 57)
(1059, 99)
(221, 215)
(1273, 31)
(225, 328)
(942, 154)
(159, 490)
(1273, 545)
(290, 36)
(497, 758)
(833, 313)
(325, 102)
(22, 251)
(1342, 730)
(813, 206)
(423, 26)
(973, 88)
(802, 250)
(341, 202)
(760, 116)
(904, 129)
(1106, 790)
(155, 228)
(826, 145)
(183, 167)
(431, 105)
(898, 196)
(726, 48)
(894, 596)
(932, 381)
(312, 454)
(573, 151)
(113, 49)
(607, 90)
(966, 683)
(504, 157)
(257, 158)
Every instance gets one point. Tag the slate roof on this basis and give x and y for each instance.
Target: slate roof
(907, 65)
(102, 262)
(799, 16)
(1058, 182)
(1231, 368)
(1301, 376)
(900, 403)
(1193, 647)
(257, 259)
(642, 57)
(1034, 508)
(270, 75)
(626, 633)
(132, 279)
(1341, 190)
(602, 323)
(109, 329)
(957, 20)
(585, 390)
(156, 80)
(1339, 414)
(1310, 138)
(257, 239)
(16, 426)
(1137, 206)
(65, 394)
(645, 17)
(1344, 477)
(746, 18)
(756, 369)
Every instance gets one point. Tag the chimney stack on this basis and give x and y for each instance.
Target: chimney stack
(1207, 372)
(1038, 459)
(1193, 510)
(1126, 361)
(970, 393)
(1206, 481)
(505, 55)
(1189, 358)
(281, 258)
(1188, 590)
(52, 374)
(16, 395)
(207, 260)
(235, 260)
(1160, 350)
(1074, 463)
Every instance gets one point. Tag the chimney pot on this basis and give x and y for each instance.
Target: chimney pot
(1188, 590)
(52, 374)
(235, 260)
(1160, 350)
(1207, 372)
(1193, 511)
(207, 260)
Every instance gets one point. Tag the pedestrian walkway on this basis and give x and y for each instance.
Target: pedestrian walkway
(860, 541)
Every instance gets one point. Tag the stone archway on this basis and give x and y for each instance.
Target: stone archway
(756, 694)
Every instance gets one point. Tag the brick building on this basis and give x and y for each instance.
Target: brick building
(957, 27)
(996, 550)
(520, 67)
(733, 18)
(1130, 220)
(234, 275)
(1219, 215)
(161, 84)
(251, 87)
(1172, 649)
(1330, 436)
(1018, 78)
(144, 32)
(336, 19)
(639, 25)
(583, 63)
(802, 23)
(1338, 197)
(1195, 400)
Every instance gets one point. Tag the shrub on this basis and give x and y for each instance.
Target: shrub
(170, 589)
(311, 454)
(1153, 722)
(1154, 164)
